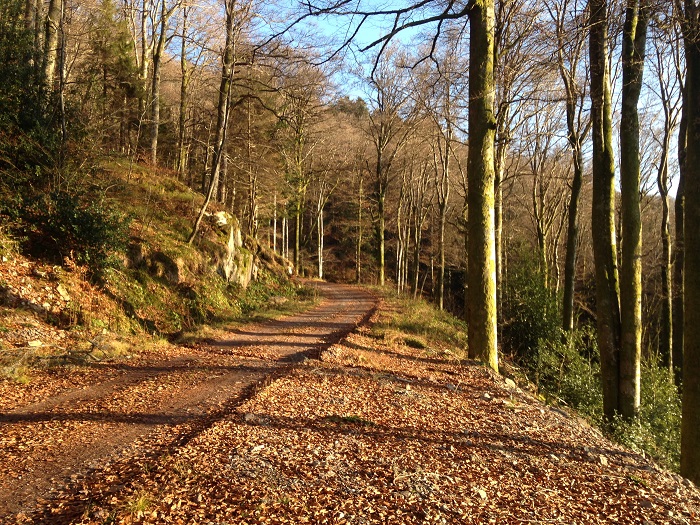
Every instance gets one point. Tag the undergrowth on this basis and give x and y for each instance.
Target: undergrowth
(565, 368)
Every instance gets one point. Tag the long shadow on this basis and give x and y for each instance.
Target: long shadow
(74, 510)
(462, 441)
(135, 418)
(402, 379)
(415, 359)
(140, 374)
(263, 342)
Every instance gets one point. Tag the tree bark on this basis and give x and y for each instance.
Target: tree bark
(633, 48)
(185, 73)
(222, 112)
(576, 134)
(679, 245)
(51, 43)
(155, 79)
(690, 422)
(482, 124)
(358, 256)
(603, 219)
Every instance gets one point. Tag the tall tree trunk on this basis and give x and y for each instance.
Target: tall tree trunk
(274, 225)
(482, 123)
(633, 48)
(442, 222)
(679, 244)
(185, 73)
(443, 195)
(572, 235)
(145, 62)
(381, 218)
(666, 335)
(222, 112)
(358, 255)
(690, 422)
(320, 227)
(603, 219)
(155, 80)
(576, 134)
(51, 42)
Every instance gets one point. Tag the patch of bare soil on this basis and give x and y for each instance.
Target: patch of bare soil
(100, 426)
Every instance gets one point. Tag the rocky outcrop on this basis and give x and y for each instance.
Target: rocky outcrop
(234, 256)
(238, 264)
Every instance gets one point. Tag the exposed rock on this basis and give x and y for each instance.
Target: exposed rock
(238, 264)
(63, 292)
(165, 267)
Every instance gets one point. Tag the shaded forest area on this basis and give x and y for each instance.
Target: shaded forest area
(515, 164)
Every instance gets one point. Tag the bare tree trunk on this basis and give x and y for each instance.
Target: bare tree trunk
(358, 256)
(679, 245)
(577, 130)
(690, 422)
(222, 115)
(155, 79)
(319, 228)
(481, 254)
(274, 225)
(666, 335)
(146, 52)
(671, 113)
(633, 47)
(381, 235)
(572, 241)
(185, 73)
(603, 219)
(51, 42)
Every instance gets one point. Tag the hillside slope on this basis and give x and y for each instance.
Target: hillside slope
(70, 292)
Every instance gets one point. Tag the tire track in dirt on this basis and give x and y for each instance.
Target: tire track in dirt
(157, 405)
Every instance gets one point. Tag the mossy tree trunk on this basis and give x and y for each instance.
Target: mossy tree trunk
(603, 219)
(481, 241)
(633, 48)
(186, 75)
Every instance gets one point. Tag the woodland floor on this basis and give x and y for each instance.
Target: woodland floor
(289, 422)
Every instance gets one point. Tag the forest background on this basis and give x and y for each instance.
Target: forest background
(498, 158)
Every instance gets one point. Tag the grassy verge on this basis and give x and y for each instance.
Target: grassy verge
(418, 324)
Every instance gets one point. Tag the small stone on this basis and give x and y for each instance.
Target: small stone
(481, 493)
(63, 292)
(603, 461)
(35, 344)
(511, 384)
(487, 396)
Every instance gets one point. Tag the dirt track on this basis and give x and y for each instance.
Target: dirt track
(152, 407)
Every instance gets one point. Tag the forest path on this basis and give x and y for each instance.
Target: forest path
(150, 407)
